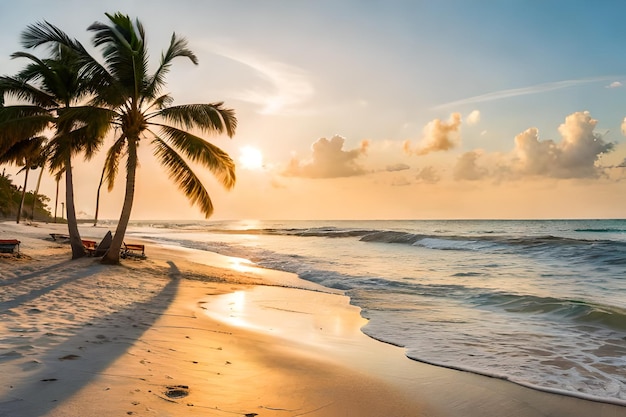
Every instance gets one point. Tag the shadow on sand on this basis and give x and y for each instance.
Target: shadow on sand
(101, 342)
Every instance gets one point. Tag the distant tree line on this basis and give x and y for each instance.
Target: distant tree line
(11, 196)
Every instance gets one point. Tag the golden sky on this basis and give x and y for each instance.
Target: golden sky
(381, 110)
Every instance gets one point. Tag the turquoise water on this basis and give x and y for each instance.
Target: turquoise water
(540, 303)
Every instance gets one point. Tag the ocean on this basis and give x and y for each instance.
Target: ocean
(540, 303)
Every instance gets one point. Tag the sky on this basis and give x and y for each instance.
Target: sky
(369, 109)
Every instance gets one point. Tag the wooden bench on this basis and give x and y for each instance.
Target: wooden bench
(9, 245)
(133, 250)
(90, 246)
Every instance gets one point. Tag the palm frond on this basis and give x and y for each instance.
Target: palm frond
(35, 70)
(11, 114)
(124, 52)
(58, 148)
(59, 174)
(183, 176)
(203, 152)
(21, 122)
(162, 102)
(211, 118)
(82, 140)
(97, 120)
(24, 151)
(177, 48)
(112, 161)
(45, 33)
(17, 88)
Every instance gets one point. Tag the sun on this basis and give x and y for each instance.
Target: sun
(250, 158)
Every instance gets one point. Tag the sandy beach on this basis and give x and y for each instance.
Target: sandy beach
(188, 333)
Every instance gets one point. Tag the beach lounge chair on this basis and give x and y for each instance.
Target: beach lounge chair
(104, 244)
(133, 251)
(59, 237)
(9, 245)
(90, 246)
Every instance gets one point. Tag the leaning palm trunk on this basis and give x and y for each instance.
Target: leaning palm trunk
(19, 212)
(56, 200)
(95, 218)
(78, 250)
(113, 254)
(32, 214)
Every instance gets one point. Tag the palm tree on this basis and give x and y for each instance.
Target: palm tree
(141, 111)
(27, 154)
(53, 88)
(136, 97)
(39, 163)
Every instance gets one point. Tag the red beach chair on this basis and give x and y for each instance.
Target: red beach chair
(9, 245)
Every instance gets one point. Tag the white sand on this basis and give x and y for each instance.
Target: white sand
(81, 339)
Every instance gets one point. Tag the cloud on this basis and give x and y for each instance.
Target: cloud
(624, 126)
(397, 167)
(466, 167)
(473, 118)
(289, 85)
(574, 157)
(614, 84)
(515, 92)
(438, 136)
(329, 160)
(428, 174)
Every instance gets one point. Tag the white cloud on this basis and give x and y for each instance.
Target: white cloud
(466, 167)
(515, 92)
(473, 118)
(329, 160)
(428, 174)
(574, 156)
(614, 84)
(289, 85)
(438, 136)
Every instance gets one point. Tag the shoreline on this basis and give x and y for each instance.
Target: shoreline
(153, 337)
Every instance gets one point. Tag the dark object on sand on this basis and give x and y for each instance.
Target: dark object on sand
(104, 245)
(177, 391)
(132, 250)
(9, 245)
(59, 237)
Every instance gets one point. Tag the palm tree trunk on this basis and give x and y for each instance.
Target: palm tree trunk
(95, 219)
(113, 254)
(32, 215)
(19, 212)
(78, 250)
(56, 200)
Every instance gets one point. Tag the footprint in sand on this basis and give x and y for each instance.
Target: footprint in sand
(29, 366)
(10, 356)
(177, 391)
(69, 357)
